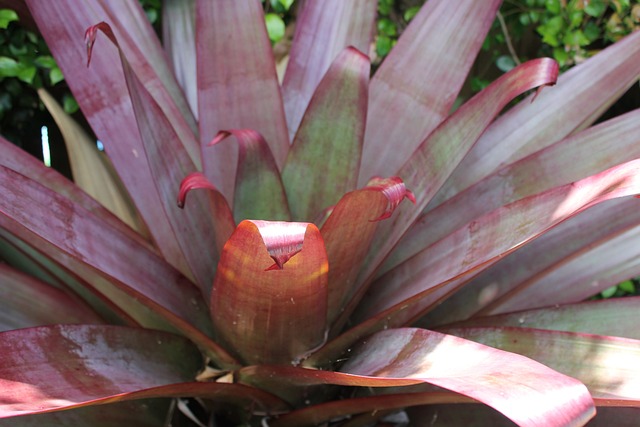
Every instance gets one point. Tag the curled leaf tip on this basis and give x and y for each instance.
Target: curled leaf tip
(355, 50)
(90, 37)
(221, 135)
(244, 137)
(282, 239)
(191, 182)
(394, 190)
(553, 69)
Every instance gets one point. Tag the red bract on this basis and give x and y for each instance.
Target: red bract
(296, 286)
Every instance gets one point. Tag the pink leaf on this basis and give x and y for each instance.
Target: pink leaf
(240, 92)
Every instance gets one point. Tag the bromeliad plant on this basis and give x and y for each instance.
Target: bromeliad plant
(297, 286)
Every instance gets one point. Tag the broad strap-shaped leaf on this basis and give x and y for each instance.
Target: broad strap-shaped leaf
(598, 148)
(404, 294)
(324, 160)
(224, 223)
(349, 230)
(582, 94)
(608, 366)
(505, 381)
(269, 297)
(114, 308)
(87, 364)
(26, 301)
(74, 237)
(145, 49)
(240, 92)
(413, 90)
(438, 155)
(375, 405)
(613, 317)
(585, 274)
(259, 193)
(179, 41)
(598, 224)
(91, 169)
(169, 164)
(498, 233)
(142, 413)
(104, 99)
(20, 161)
(323, 30)
(465, 415)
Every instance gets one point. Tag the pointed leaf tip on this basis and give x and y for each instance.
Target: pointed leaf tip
(221, 135)
(245, 137)
(192, 182)
(282, 239)
(92, 32)
(394, 190)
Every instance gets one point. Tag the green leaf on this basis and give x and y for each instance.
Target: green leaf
(553, 6)
(324, 160)
(551, 29)
(575, 19)
(286, 3)
(595, 8)
(561, 55)
(27, 73)
(387, 27)
(6, 17)
(259, 192)
(575, 38)
(383, 46)
(411, 12)
(56, 76)
(505, 63)
(341, 24)
(69, 104)
(628, 286)
(45, 61)
(609, 292)
(275, 27)
(9, 67)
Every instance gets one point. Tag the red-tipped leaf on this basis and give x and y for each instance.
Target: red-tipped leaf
(530, 126)
(349, 230)
(269, 298)
(239, 92)
(259, 193)
(413, 90)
